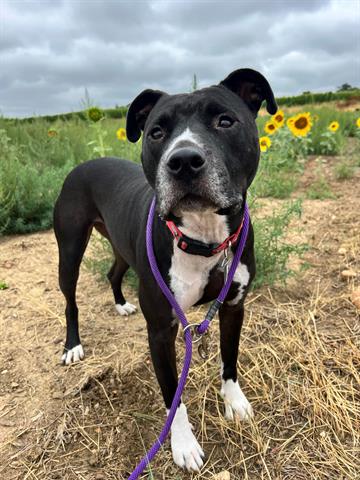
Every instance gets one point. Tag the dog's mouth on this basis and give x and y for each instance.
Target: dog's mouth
(196, 203)
(191, 203)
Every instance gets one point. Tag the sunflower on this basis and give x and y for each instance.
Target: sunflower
(290, 121)
(52, 132)
(265, 143)
(300, 125)
(333, 126)
(270, 127)
(121, 134)
(94, 114)
(278, 118)
(358, 122)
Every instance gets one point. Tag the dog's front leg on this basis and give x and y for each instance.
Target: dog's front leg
(236, 404)
(162, 332)
(185, 448)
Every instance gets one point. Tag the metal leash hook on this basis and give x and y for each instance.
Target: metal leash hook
(201, 338)
(204, 346)
(225, 263)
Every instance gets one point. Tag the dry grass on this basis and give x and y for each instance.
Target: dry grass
(301, 377)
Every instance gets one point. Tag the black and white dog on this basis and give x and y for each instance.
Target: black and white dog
(200, 153)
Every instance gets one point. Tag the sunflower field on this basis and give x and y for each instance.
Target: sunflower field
(37, 155)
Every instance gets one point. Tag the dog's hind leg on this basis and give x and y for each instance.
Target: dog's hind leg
(72, 236)
(115, 276)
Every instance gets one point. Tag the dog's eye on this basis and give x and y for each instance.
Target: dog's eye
(225, 121)
(156, 133)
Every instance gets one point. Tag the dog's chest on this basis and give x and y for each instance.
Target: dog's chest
(189, 274)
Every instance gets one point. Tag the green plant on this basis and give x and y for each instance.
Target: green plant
(276, 184)
(3, 285)
(27, 196)
(272, 250)
(320, 190)
(281, 165)
(98, 147)
(344, 170)
(330, 143)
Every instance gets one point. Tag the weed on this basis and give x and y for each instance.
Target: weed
(330, 143)
(26, 196)
(276, 184)
(344, 170)
(271, 248)
(320, 190)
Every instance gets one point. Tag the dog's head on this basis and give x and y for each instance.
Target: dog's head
(201, 150)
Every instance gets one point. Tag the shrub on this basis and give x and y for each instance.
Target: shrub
(26, 196)
(272, 251)
(320, 190)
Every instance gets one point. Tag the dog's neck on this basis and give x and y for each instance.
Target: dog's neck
(206, 226)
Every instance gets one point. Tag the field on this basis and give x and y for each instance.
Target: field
(300, 349)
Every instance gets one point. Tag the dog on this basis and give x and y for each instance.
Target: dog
(200, 153)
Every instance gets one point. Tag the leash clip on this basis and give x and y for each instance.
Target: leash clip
(204, 346)
(196, 337)
(225, 263)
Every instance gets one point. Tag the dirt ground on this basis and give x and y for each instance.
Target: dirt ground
(299, 364)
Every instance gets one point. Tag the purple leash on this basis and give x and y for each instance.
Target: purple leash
(201, 328)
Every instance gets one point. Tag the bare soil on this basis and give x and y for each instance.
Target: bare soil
(299, 364)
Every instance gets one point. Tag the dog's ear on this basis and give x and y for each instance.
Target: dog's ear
(252, 87)
(139, 111)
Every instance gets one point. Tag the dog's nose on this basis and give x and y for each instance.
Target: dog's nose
(185, 160)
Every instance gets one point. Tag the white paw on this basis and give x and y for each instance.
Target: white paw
(126, 309)
(73, 355)
(236, 404)
(186, 451)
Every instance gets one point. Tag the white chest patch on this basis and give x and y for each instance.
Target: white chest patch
(189, 274)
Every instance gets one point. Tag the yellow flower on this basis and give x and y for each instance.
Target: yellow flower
(94, 114)
(333, 126)
(300, 125)
(278, 118)
(270, 127)
(358, 122)
(52, 132)
(121, 134)
(290, 121)
(265, 143)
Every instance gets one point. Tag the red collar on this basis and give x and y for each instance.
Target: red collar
(196, 247)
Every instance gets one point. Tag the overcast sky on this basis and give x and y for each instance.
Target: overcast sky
(51, 50)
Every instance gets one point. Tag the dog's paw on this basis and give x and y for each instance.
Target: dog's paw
(186, 450)
(236, 404)
(126, 309)
(73, 355)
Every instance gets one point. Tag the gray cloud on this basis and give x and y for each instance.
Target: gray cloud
(50, 50)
